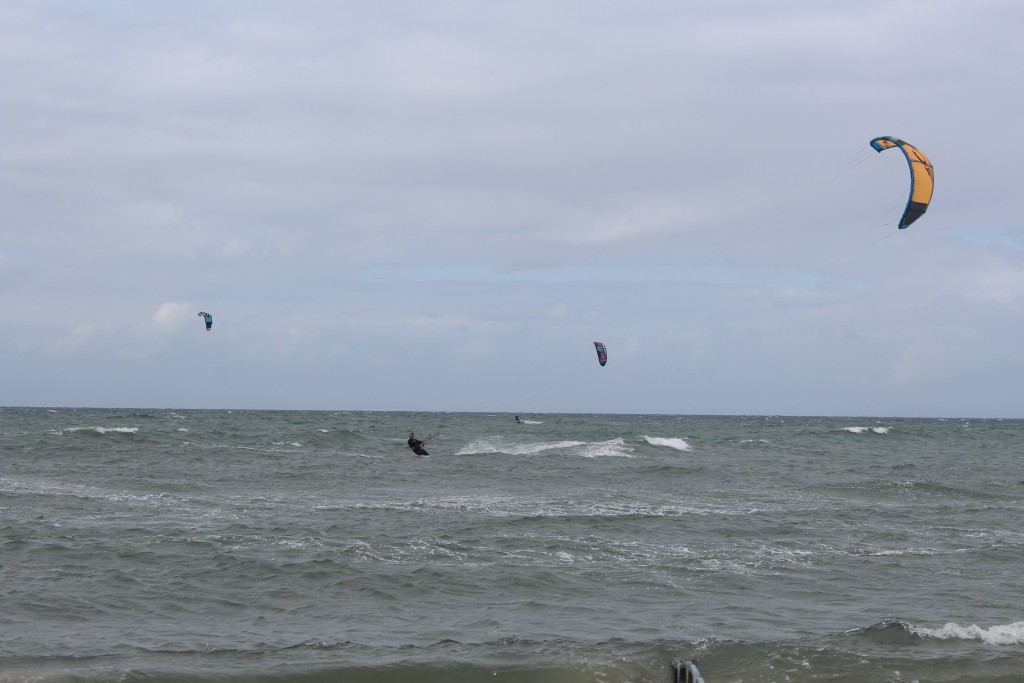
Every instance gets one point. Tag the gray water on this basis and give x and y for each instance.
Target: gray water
(270, 546)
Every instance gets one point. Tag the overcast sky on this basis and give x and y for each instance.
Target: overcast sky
(442, 205)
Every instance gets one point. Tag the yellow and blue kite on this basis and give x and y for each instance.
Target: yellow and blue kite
(922, 177)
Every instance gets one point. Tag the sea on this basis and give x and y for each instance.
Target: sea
(238, 546)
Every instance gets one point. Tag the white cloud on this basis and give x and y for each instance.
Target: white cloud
(368, 194)
(77, 339)
(174, 314)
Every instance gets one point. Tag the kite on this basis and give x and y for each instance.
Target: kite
(602, 353)
(208, 318)
(922, 177)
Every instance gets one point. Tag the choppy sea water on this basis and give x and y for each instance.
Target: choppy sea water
(241, 546)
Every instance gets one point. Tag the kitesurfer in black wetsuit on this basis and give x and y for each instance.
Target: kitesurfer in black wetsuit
(416, 445)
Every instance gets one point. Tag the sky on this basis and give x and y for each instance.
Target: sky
(440, 206)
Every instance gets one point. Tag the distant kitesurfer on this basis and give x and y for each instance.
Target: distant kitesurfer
(416, 445)
(518, 420)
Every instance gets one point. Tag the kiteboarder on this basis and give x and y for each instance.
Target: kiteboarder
(416, 445)
(517, 419)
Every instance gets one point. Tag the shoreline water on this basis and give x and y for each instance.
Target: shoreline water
(312, 545)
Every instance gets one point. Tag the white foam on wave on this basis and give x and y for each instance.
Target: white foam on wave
(101, 430)
(1003, 634)
(299, 544)
(899, 552)
(485, 446)
(613, 447)
(676, 444)
(511, 506)
(863, 430)
(45, 487)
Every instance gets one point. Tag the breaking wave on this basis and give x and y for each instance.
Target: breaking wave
(675, 444)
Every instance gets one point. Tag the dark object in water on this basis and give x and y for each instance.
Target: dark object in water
(685, 672)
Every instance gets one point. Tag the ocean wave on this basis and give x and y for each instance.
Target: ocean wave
(97, 431)
(673, 443)
(866, 430)
(610, 448)
(486, 446)
(58, 489)
(900, 552)
(511, 658)
(912, 488)
(903, 633)
(1002, 634)
(517, 507)
(325, 660)
(927, 488)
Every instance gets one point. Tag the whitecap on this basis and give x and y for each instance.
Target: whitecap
(611, 448)
(485, 446)
(676, 444)
(863, 430)
(1003, 634)
(614, 447)
(101, 430)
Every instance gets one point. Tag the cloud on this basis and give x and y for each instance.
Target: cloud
(173, 315)
(78, 338)
(368, 192)
(558, 311)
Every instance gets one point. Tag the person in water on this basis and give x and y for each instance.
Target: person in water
(517, 419)
(416, 445)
